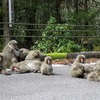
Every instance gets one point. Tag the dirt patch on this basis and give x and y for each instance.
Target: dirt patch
(70, 61)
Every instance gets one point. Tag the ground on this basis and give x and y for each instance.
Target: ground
(60, 86)
(69, 61)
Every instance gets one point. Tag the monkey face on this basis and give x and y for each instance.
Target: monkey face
(82, 60)
(36, 55)
(14, 68)
(15, 46)
(49, 61)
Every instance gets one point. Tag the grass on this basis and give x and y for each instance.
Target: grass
(57, 55)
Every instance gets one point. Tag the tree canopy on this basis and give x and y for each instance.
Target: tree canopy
(55, 25)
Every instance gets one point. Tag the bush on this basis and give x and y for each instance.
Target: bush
(97, 48)
(54, 39)
(57, 55)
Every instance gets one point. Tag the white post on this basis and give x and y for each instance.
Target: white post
(10, 13)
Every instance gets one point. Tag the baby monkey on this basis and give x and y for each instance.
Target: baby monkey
(46, 67)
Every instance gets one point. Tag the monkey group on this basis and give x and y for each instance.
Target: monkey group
(24, 61)
(81, 70)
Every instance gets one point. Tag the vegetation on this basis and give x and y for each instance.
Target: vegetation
(57, 55)
(53, 25)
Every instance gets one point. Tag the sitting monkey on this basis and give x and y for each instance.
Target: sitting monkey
(77, 68)
(10, 54)
(46, 67)
(3, 70)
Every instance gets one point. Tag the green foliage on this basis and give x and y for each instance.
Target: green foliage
(57, 55)
(97, 48)
(51, 39)
(75, 17)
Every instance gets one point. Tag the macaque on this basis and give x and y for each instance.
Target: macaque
(46, 67)
(31, 63)
(10, 54)
(33, 55)
(3, 70)
(95, 74)
(97, 65)
(77, 68)
(26, 66)
(23, 53)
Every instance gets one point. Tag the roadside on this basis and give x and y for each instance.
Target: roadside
(70, 61)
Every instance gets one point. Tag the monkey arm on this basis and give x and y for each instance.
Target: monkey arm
(16, 52)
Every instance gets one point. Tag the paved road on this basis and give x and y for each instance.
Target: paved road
(34, 86)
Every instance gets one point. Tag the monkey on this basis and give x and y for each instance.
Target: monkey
(11, 53)
(46, 67)
(26, 66)
(31, 63)
(97, 65)
(23, 53)
(94, 75)
(77, 68)
(2, 68)
(33, 55)
(88, 68)
(42, 57)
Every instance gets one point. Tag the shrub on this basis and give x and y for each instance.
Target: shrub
(57, 55)
(54, 39)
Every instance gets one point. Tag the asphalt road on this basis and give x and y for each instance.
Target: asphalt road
(34, 86)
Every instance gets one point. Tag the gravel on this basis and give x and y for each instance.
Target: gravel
(60, 86)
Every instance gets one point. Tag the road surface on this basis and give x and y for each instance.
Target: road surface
(61, 86)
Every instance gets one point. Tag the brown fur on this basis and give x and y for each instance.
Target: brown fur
(31, 63)
(26, 66)
(10, 53)
(77, 68)
(46, 67)
(23, 53)
(2, 68)
(33, 55)
(95, 74)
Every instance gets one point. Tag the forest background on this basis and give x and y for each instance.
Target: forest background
(52, 25)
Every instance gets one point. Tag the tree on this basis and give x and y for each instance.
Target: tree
(6, 34)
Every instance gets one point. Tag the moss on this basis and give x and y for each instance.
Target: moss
(57, 55)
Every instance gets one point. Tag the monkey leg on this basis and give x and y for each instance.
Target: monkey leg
(5, 72)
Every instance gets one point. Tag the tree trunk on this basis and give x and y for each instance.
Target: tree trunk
(58, 16)
(76, 6)
(6, 35)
